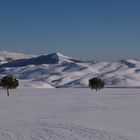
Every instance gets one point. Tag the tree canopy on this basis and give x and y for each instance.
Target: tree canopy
(9, 82)
(96, 83)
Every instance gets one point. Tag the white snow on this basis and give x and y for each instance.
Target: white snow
(57, 70)
(70, 114)
(33, 84)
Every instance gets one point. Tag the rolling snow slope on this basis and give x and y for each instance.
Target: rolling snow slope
(57, 70)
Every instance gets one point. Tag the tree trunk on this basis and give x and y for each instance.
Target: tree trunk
(7, 91)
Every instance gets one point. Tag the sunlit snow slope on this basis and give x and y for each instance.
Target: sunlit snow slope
(57, 70)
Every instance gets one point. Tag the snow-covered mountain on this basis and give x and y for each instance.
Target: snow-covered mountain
(54, 58)
(6, 57)
(57, 70)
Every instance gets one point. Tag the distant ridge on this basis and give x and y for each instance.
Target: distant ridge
(6, 57)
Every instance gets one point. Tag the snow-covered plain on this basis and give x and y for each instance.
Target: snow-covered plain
(70, 114)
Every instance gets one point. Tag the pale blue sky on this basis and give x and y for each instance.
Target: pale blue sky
(97, 29)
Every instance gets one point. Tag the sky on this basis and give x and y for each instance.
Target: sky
(86, 29)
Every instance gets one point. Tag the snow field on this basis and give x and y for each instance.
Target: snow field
(70, 114)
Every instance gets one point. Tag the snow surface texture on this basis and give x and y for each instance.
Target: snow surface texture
(57, 70)
(70, 114)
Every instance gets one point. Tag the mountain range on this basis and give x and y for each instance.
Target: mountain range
(57, 70)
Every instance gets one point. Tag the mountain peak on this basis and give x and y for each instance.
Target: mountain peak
(53, 58)
(59, 58)
(58, 54)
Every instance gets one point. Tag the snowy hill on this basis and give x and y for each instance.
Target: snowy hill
(6, 57)
(57, 70)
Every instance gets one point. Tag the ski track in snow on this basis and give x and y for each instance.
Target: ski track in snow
(56, 131)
